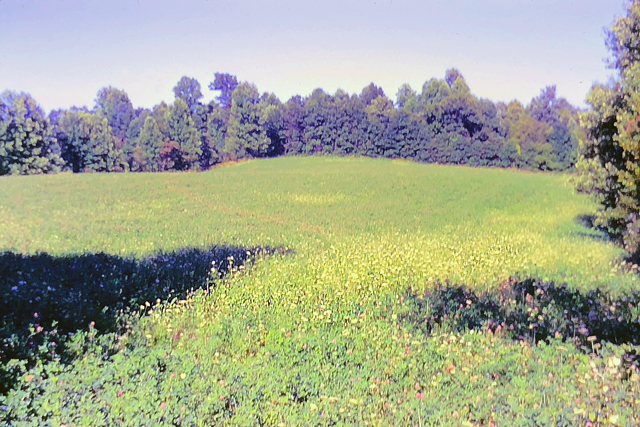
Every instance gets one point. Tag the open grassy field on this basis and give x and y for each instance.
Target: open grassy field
(415, 222)
(330, 311)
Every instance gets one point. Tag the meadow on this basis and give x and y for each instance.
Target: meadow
(313, 291)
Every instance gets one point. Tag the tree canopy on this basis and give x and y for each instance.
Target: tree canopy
(443, 123)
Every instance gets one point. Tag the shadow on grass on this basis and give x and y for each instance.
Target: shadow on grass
(531, 310)
(596, 233)
(44, 298)
(601, 234)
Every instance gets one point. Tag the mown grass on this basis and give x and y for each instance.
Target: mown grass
(329, 330)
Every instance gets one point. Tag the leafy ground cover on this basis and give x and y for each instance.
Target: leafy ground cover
(393, 298)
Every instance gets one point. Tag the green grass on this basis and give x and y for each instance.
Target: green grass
(426, 221)
(345, 325)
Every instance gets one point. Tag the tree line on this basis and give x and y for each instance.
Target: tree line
(442, 123)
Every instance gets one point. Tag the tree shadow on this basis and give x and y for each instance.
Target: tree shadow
(596, 232)
(602, 234)
(46, 298)
(531, 310)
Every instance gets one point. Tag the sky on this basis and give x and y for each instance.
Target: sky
(63, 51)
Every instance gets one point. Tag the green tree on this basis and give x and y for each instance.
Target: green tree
(89, 144)
(182, 130)
(434, 92)
(293, 116)
(27, 144)
(130, 147)
(319, 122)
(150, 143)
(188, 89)
(226, 84)
(370, 92)
(117, 108)
(548, 109)
(407, 98)
(451, 76)
(215, 133)
(609, 159)
(247, 134)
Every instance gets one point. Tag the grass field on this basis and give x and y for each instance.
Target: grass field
(424, 221)
(336, 317)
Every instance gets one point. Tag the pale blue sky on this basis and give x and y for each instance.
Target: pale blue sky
(64, 51)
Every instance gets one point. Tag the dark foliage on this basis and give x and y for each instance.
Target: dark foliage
(531, 310)
(44, 298)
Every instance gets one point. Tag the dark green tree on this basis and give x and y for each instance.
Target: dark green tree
(89, 144)
(319, 122)
(609, 159)
(246, 132)
(182, 130)
(370, 92)
(215, 134)
(150, 143)
(27, 144)
(294, 121)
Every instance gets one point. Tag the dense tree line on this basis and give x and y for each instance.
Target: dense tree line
(443, 123)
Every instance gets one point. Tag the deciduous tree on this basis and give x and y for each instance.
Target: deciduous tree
(609, 160)
(181, 130)
(27, 144)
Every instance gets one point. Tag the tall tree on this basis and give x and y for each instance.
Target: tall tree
(215, 134)
(609, 160)
(546, 108)
(188, 89)
(370, 92)
(293, 115)
(182, 131)
(226, 84)
(130, 147)
(319, 122)
(247, 135)
(150, 143)
(117, 108)
(434, 92)
(407, 98)
(27, 144)
(451, 75)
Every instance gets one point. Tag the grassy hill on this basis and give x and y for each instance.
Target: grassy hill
(335, 297)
